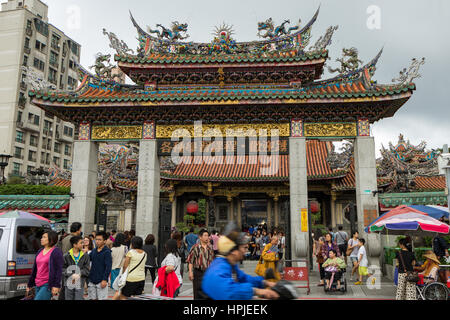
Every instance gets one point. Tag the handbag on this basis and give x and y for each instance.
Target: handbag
(411, 276)
(260, 269)
(121, 279)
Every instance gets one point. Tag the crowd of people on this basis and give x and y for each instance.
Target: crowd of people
(70, 266)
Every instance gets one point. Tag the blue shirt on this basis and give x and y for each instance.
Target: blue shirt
(101, 265)
(191, 239)
(223, 281)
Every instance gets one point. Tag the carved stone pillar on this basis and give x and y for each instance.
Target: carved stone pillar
(84, 184)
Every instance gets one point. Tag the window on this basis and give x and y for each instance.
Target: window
(25, 61)
(29, 169)
(67, 150)
(16, 169)
(41, 27)
(52, 76)
(75, 48)
(18, 153)
(19, 136)
(19, 116)
(68, 131)
(54, 59)
(57, 147)
(32, 156)
(27, 43)
(37, 119)
(34, 119)
(33, 141)
(28, 239)
(47, 125)
(40, 46)
(66, 164)
(55, 42)
(38, 64)
(56, 161)
(71, 82)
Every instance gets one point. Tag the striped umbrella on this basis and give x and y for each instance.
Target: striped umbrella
(21, 214)
(410, 220)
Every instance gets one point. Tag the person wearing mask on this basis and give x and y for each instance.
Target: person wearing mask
(405, 262)
(152, 253)
(118, 252)
(191, 239)
(46, 274)
(170, 267)
(135, 262)
(223, 280)
(199, 259)
(100, 269)
(353, 244)
(76, 270)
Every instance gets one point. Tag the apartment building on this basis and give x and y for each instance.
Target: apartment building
(33, 137)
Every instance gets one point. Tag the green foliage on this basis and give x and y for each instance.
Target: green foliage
(389, 254)
(25, 189)
(320, 227)
(428, 241)
(181, 226)
(15, 180)
(200, 217)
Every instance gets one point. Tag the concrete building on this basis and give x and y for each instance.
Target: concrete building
(33, 137)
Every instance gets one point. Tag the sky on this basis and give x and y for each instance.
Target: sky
(405, 28)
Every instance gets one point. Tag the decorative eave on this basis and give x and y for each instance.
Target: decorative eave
(36, 203)
(392, 200)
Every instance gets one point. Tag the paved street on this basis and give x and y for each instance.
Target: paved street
(385, 292)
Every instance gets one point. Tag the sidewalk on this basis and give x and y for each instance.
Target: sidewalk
(386, 290)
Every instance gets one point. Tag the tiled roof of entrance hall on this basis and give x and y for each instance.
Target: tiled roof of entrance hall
(95, 93)
(244, 168)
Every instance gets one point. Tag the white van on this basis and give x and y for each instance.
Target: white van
(20, 239)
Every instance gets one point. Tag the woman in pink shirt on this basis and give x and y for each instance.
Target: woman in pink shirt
(47, 269)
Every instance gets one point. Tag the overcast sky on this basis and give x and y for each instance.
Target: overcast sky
(407, 29)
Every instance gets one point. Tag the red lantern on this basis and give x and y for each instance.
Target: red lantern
(192, 207)
(314, 205)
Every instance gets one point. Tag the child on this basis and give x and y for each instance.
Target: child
(333, 265)
(363, 262)
(75, 269)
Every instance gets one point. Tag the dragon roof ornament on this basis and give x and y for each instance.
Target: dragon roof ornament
(167, 41)
(36, 80)
(408, 75)
(325, 40)
(119, 45)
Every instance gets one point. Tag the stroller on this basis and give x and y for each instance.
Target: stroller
(333, 281)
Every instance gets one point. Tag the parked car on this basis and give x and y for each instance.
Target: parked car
(19, 243)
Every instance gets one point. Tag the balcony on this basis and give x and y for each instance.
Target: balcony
(33, 144)
(54, 64)
(55, 46)
(63, 69)
(22, 102)
(27, 50)
(23, 86)
(20, 140)
(29, 31)
(32, 159)
(31, 126)
(18, 156)
(19, 124)
(48, 132)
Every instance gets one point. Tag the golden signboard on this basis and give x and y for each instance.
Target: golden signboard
(220, 130)
(304, 219)
(337, 129)
(116, 132)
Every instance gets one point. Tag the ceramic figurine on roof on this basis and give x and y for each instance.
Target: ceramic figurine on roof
(101, 70)
(350, 64)
(325, 40)
(172, 34)
(341, 160)
(407, 76)
(275, 32)
(119, 45)
(406, 160)
(36, 80)
(223, 43)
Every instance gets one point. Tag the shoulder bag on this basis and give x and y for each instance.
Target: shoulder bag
(411, 276)
(121, 279)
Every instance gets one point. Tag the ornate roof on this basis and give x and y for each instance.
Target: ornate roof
(35, 203)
